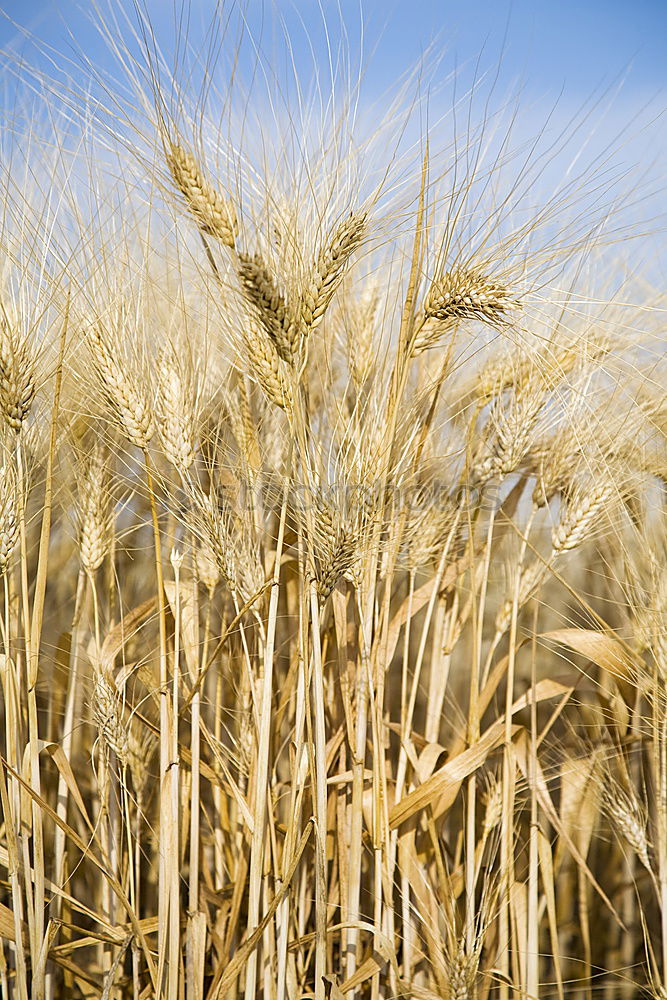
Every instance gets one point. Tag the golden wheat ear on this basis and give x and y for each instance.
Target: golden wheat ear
(9, 522)
(17, 373)
(176, 408)
(95, 516)
(325, 276)
(124, 395)
(107, 713)
(266, 367)
(214, 214)
(462, 294)
(260, 289)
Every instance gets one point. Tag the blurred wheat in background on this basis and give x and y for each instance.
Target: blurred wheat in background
(333, 543)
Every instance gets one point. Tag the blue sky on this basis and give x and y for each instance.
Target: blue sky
(551, 44)
(559, 52)
(599, 63)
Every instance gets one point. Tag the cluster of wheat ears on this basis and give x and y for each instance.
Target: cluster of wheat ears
(333, 568)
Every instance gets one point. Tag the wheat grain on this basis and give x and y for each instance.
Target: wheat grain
(207, 567)
(360, 318)
(508, 434)
(214, 524)
(493, 802)
(627, 815)
(244, 427)
(265, 366)
(461, 979)
(530, 578)
(107, 713)
(581, 514)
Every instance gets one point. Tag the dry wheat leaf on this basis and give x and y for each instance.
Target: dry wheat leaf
(332, 990)
(368, 968)
(412, 606)
(123, 631)
(544, 690)
(542, 789)
(189, 623)
(57, 754)
(448, 779)
(547, 870)
(427, 760)
(602, 649)
(7, 930)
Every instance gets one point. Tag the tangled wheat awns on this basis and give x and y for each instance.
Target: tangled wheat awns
(323, 568)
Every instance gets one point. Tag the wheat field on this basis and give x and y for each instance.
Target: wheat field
(333, 548)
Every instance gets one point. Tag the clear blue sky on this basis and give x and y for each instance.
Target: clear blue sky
(551, 44)
(559, 52)
(564, 55)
